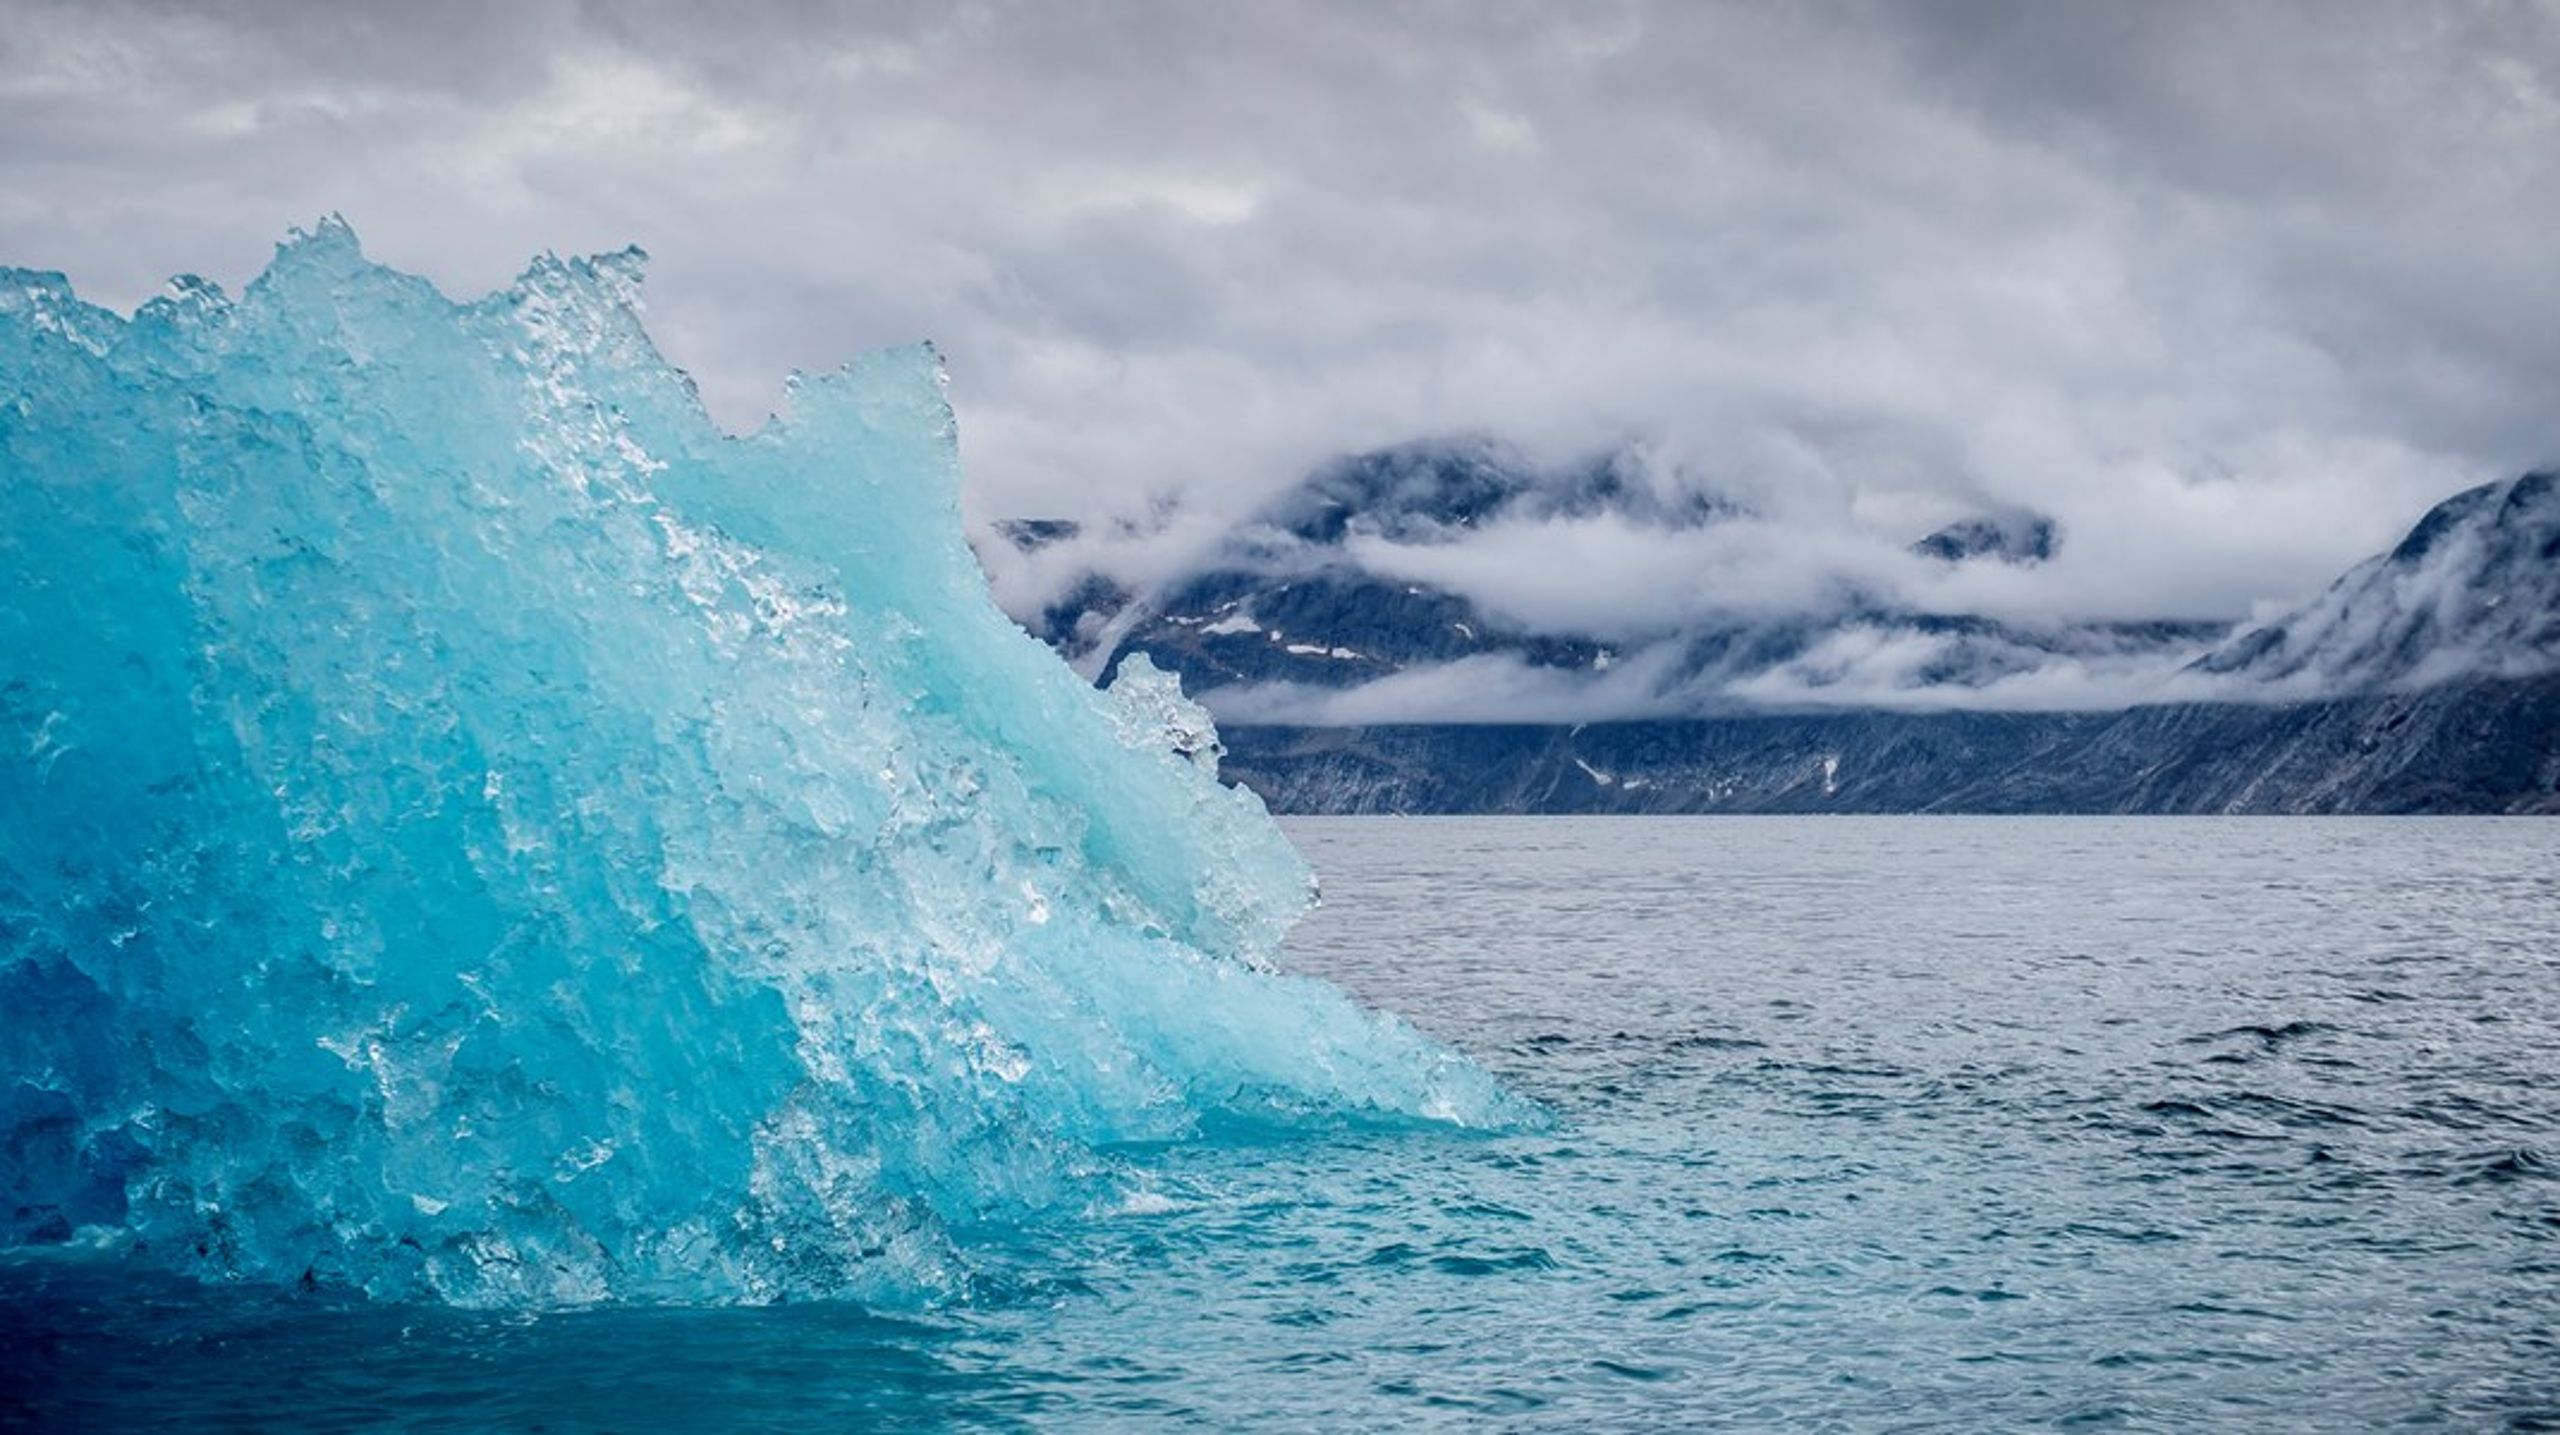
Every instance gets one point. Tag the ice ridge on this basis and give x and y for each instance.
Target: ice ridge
(472, 830)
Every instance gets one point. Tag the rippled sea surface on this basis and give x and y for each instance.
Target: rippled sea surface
(1956, 1123)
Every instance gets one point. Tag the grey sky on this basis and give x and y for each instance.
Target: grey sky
(2234, 290)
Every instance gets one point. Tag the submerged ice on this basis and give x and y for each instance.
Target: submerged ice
(471, 829)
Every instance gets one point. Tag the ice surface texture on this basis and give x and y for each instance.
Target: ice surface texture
(471, 829)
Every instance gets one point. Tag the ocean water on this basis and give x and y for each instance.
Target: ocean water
(1900, 1123)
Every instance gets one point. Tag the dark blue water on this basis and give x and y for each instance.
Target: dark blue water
(1862, 1124)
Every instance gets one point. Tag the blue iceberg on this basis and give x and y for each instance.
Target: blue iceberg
(472, 830)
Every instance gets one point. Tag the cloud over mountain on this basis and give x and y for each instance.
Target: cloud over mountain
(1462, 582)
(2235, 284)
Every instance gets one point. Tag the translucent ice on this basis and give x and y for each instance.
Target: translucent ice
(469, 828)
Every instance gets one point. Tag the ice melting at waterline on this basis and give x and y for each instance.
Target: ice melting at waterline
(471, 829)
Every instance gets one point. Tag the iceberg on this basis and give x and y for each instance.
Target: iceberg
(472, 830)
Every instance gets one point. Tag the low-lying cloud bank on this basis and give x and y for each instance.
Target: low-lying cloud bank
(1855, 668)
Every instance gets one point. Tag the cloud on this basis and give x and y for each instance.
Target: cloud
(1606, 577)
(2233, 289)
(1496, 687)
(1854, 666)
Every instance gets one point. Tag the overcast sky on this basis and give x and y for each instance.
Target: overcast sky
(2235, 291)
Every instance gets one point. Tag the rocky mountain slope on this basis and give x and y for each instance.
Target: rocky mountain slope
(2426, 679)
(2489, 745)
(2473, 590)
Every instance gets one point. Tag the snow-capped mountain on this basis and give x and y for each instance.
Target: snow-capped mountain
(1305, 601)
(2021, 538)
(2474, 590)
(2426, 679)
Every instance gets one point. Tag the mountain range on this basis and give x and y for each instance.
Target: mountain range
(1343, 635)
